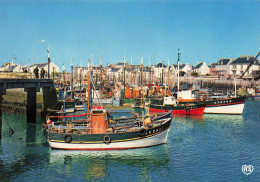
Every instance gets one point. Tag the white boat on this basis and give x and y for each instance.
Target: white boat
(225, 106)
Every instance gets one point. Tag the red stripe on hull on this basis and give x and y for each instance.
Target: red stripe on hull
(197, 111)
(156, 110)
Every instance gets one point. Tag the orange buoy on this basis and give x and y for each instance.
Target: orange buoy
(48, 121)
(180, 99)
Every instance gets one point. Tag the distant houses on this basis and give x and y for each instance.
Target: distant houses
(239, 66)
(230, 67)
(186, 68)
(53, 67)
(224, 67)
(17, 68)
(10, 67)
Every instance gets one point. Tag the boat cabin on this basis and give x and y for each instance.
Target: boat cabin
(98, 120)
(188, 95)
(170, 100)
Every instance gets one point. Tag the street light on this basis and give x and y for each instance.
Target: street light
(34, 48)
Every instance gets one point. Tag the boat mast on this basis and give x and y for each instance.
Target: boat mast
(165, 85)
(64, 91)
(71, 84)
(142, 94)
(80, 76)
(49, 60)
(178, 70)
(100, 79)
(64, 76)
(124, 79)
(142, 79)
(152, 76)
(88, 78)
(131, 73)
(91, 74)
(168, 76)
(149, 71)
(235, 85)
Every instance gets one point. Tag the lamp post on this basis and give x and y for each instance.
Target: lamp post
(34, 48)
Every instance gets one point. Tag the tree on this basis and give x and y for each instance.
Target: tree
(182, 73)
(194, 74)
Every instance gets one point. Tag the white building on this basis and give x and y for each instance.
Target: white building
(239, 66)
(222, 68)
(201, 68)
(182, 67)
(53, 66)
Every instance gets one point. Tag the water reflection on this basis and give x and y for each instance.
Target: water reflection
(20, 162)
(189, 117)
(197, 148)
(222, 118)
(26, 133)
(204, 120)
(99, 164)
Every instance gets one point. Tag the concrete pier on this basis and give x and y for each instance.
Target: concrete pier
(31, 105)
(31, 86)
(49, 95)
(30, 134)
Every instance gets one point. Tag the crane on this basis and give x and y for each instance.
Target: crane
(249, 65)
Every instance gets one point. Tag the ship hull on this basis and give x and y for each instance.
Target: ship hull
(110, 141)
(185, 110)
(226, 106)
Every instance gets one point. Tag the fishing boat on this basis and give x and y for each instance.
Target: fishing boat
(221, 105)
(170, 103)
(225, 104)
(97, 131)
(231, 105)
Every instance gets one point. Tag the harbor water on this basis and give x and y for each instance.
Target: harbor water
(204, 148)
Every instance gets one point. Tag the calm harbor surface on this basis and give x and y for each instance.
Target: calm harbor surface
(204, 148)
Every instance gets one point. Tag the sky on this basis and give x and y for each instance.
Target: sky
(204, 31)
